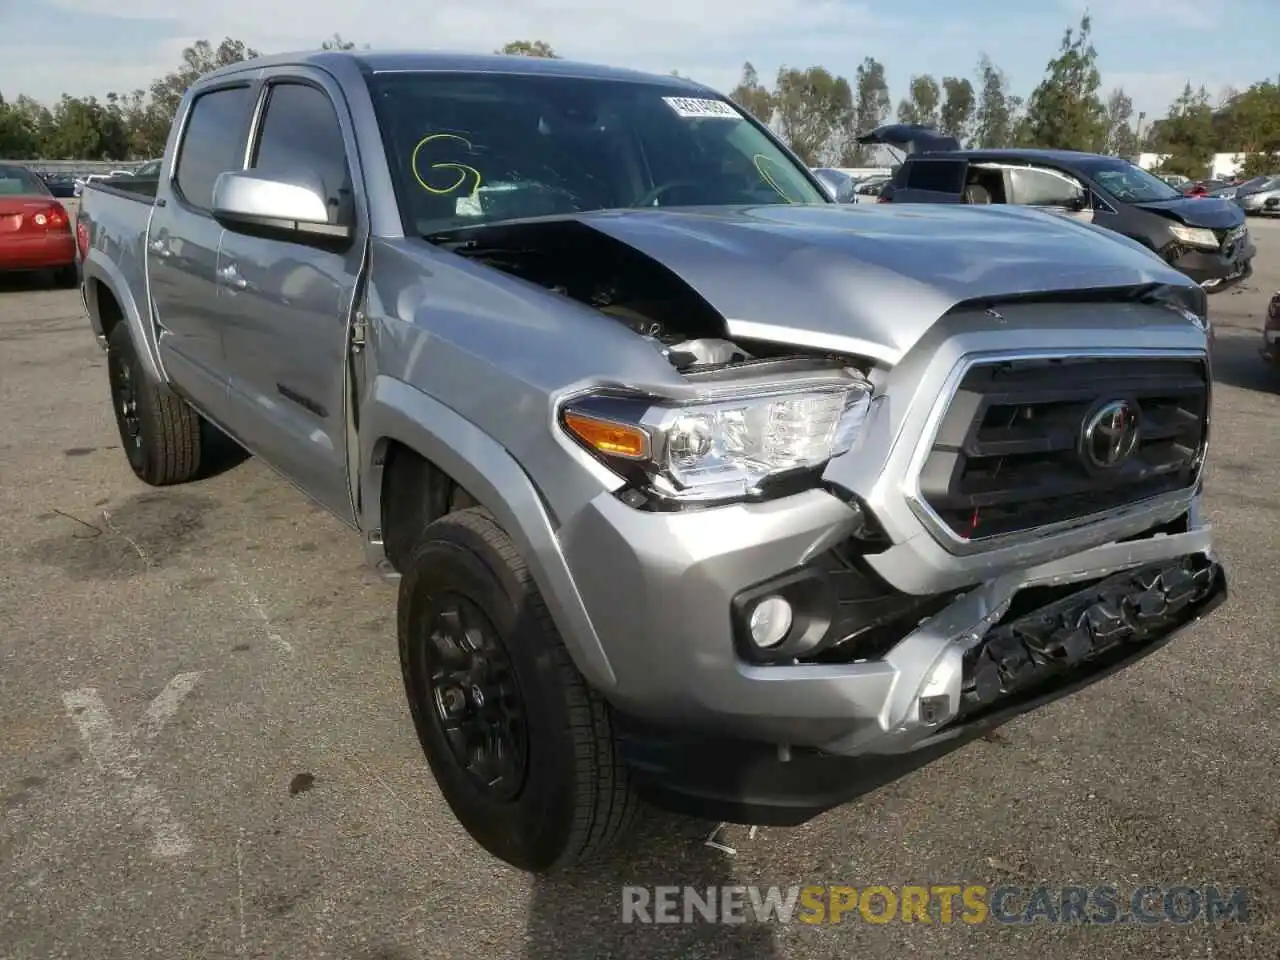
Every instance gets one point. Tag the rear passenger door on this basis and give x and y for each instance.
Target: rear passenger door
(182, 242)
(1051, 190)
(286, 303)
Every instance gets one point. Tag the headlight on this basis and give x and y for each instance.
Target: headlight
(723, 446)
(1195, 236)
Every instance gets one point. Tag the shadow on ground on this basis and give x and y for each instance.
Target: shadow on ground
(1236, 360)
(578, 913)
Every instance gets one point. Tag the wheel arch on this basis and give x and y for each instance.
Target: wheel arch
(403, 429)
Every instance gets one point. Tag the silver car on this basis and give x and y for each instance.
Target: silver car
(1252, 196)
(700, 488)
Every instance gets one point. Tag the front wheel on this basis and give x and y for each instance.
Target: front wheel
(522, 749)
(159, 431)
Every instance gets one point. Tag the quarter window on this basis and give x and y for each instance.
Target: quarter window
(213, 142)
(301, 142)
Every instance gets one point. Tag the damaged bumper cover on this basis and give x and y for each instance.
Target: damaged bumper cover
(1023, 660)
(1085, 630)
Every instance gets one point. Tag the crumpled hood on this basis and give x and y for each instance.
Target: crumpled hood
(873, 278)
(1215, 213)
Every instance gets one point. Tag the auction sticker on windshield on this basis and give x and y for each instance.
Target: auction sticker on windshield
(694, 107)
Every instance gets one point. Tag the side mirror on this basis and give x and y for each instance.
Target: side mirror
(247, 203)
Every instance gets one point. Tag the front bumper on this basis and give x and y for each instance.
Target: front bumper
(1017, 667)
(1211, 269)
(678, 658)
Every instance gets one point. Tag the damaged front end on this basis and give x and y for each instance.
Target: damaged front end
(1080, 635)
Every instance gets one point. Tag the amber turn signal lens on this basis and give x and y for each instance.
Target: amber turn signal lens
(607, 437)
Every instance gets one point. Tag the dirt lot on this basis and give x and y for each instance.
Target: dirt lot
(204, 748)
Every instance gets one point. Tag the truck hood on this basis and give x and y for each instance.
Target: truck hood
(872, 279)
(1215, 213)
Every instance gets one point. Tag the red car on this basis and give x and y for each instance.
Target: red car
(35, 229)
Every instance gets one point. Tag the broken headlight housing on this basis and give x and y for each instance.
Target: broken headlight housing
(731, 443)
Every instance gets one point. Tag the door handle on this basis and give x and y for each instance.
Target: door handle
(231, 277)
(161, 249)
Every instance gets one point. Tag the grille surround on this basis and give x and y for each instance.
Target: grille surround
(1184, 462)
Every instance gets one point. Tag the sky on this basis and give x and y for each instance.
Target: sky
(1148, 47)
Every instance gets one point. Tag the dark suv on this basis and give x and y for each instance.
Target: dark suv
(1204, 237)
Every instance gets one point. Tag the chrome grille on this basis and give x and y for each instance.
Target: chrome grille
(1009, 454)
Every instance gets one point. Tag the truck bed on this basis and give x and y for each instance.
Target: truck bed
(117, 214)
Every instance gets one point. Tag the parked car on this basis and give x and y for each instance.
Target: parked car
(869, 190)
(660, 441)
(1175, 180)
(35, 230)
(1252, 196)
(1206, 239)
(839, 185)
(60, 185)
(149, 169)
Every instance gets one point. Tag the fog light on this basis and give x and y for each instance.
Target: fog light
(770, 622)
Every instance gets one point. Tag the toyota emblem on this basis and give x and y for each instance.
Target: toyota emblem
(1111, 434)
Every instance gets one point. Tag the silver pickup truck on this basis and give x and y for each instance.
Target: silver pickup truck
(700, 489)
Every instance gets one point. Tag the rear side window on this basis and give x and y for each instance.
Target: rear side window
(1037, 187)
(213, 142)
(937, 176)
(301, 141)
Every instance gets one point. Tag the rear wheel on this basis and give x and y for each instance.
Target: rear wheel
(159, 432)
(522, 749)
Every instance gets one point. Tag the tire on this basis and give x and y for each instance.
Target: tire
(159, 432)
(566, 795)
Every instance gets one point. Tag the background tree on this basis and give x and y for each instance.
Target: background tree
(338, 42)
(1121, 139)
(924, 96)
(752, 95)
(529, 48)
(871, 108)
(958, 106)
(1186, 134)
(1250, 122)
(814, 110)
(1064, 111)
(997, 112)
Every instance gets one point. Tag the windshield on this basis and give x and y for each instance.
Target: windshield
(1127, 181)
(20, 180)
(467, 149)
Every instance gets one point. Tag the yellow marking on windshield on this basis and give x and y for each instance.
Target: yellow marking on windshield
(461, 168)
(760, 160)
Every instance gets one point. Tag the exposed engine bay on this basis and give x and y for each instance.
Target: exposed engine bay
(570, 258)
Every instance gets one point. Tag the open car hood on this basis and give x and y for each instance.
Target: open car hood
(871, 279)
(909, 138)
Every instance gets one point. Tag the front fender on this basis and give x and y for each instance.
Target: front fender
(396, 411)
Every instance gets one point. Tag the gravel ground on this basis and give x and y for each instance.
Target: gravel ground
(204, 747)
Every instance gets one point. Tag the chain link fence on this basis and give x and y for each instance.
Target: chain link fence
(76, 168)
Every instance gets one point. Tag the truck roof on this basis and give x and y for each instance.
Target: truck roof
(391, 61)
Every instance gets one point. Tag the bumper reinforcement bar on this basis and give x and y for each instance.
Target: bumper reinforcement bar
(1125, 610)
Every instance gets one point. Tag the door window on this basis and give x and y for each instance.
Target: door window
(301, 142)
(213, 142)
(1040, 187)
